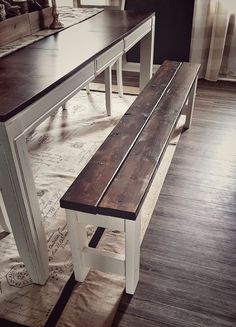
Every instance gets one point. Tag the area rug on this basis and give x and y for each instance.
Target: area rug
(59, 148)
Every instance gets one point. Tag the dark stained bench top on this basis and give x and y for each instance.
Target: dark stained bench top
(29, 73)
(118, 176)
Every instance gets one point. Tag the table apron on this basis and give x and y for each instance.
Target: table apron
(137, 35)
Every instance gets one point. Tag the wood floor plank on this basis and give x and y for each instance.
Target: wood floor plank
(218, 182)
(214, 166)
(198, 210)
(191, 275)
(182, 294)
(162, 314)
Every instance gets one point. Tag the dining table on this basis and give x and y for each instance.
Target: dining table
(37, 80)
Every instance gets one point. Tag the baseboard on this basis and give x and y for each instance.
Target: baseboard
(227, 79)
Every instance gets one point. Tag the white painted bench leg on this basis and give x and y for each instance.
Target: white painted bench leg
(119, 76)
(108, 89)
(4, 220)
(132, 254)
(190, 105)
(83, 257)
(78, 241)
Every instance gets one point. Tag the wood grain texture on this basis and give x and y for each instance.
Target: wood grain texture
(117, 178)
(188, 262)
(126, 193)
(20, 26)
(40, 19)
(97, 175)
(14, 28)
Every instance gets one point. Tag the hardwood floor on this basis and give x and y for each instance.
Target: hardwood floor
(188, 256)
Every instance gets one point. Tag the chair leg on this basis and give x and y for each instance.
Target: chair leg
(119, 76)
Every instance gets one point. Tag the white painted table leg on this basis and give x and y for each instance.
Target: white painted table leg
(4, 220)
(146, 57)
(64, 106)
(132, 254)
(78, 241)
(76, 3)
(21, 203)
(87, 88)
(122, 4)
(108, 89)
(190, 105)
(119, 76)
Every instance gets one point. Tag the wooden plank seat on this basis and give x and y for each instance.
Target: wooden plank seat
(110, 190)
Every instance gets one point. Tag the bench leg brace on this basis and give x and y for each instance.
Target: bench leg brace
(84, 257)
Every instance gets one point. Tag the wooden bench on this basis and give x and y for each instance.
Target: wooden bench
(110, 190)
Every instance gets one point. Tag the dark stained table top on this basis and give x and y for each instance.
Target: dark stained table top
(31, 72)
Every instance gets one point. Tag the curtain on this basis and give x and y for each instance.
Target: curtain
(213, 42)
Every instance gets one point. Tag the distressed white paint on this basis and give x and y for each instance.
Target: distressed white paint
(78, 241)
(132, 254)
